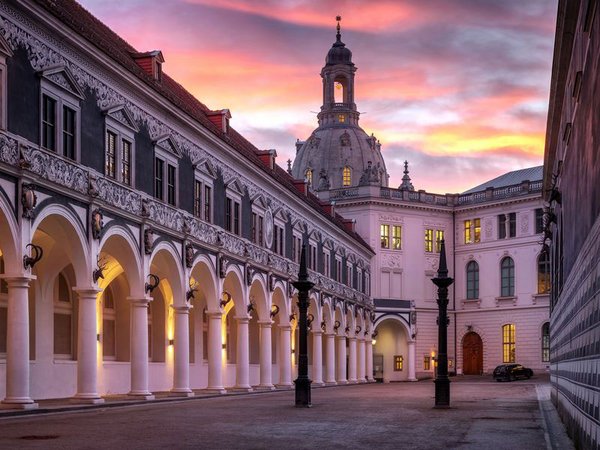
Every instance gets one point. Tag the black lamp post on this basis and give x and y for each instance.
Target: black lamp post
(303, 382)
(442, 382)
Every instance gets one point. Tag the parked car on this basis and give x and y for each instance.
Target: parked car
(510, 372)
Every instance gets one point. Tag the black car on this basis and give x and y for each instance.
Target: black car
(510, 372)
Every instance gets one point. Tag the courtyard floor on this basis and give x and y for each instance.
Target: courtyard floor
(484, 415)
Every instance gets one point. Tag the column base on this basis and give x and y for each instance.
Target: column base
(86, 400)
(371, 380)
(339, 382)
(352, 381)
(413, 379)
(265, 387)
(214, 391)
(241, 389)
(317, 384)
(362, 381)
(330, 383)
(18, 404)
(141, 395)
(285, 386)
(181, 393)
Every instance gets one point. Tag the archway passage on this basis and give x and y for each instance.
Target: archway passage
(472, 354)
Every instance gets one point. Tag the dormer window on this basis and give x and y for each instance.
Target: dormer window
(151, 63)
(220, 119)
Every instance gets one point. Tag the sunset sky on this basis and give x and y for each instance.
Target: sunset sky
(459, 88)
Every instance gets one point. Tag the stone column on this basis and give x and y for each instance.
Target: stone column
(412, 361)
(215, 352)
(285, 356)
(17, 344)
(317, 358)
(330, 366)
(352, 360)
(242, 362)
(369, 356)
(139, 348)
(181, 370)
(341, 360)
(266, 357)
(361, 360)
(87, 347)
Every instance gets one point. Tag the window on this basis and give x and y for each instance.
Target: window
(472, 280)
(428, 240)
(236, 218)
(63, 319)
(308, 176)
(326, 263)
(278, 240)
(159, 171)
(546, 342)
(512, 224)
(109, 348)
(3, 85)
(120, 133)
(439, 237)
(398, 363)
(296, 248)
(472, 231)
(346, 176)
(170, 184)
(539, 220)
(427, 362)
(197, 198)
(501, 226)
(507, 276)
(508, 343)
(165, 180)
(397, 237)
(503, 219)
(338, 270)
(543, 278)
(349, 278)
(228, 209)
(312, 256)
(60, 98)
(359, 280)
(341, 118)
(385, 236)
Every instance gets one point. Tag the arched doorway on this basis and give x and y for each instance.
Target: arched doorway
(472, 354)
(390, 352)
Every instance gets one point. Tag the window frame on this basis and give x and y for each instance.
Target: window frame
(205, 182)
(439, 236)
(428, 240)
(396, 237)
(507, 272)
(509, 345)
(538, 216)
(67, 309)
(543, 286)
(384, 234)
(546, 342)
(346, 176)
(168, 159)
(472, 277)
(5, 52)
(122, 133)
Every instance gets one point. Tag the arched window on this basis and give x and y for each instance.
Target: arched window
(543, 278)
(347, 176)
(472, 280)
(507, 277)
(508, 343)
(546, 342)
(63, 319)
(308, 176)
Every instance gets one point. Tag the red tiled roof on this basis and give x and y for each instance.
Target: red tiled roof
(97, 33)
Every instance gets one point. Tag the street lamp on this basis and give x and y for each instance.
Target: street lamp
(442, 382)
(303, 382)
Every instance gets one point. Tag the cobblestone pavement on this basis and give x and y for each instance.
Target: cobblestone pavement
(484, 415)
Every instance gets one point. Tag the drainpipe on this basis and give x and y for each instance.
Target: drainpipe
(454, 288)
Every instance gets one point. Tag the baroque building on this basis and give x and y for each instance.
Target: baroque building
(571, 187)
(145, 245)
(499, 301)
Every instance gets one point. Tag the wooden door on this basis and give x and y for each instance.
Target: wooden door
(472, 354)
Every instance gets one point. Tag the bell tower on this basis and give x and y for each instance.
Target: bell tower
(338, 107)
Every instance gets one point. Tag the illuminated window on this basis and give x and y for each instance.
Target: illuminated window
(427, 362)
(397, 237)
(543, 280)
(472, 280)
(347, 176)
(308, 176)
(385, 236)
(398, 363)
(546, 342)
(507, 275)
(472, 231)
(439, 237)
(428, 240)
(341, 118)
(539, 220)
(508, 343)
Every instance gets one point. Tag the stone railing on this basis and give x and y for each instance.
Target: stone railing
(82, 180)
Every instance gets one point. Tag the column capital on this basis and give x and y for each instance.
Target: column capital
(139, 301)
(242, 319)
(330, 334)
(181, 309)
(214, 314)
(265, 323)
(317, 332)
(17, 280)
(87, 292)
(340, 336)
(285, 327)
(352, 338)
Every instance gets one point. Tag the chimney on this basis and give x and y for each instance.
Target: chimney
(220, 119)
(151, 63)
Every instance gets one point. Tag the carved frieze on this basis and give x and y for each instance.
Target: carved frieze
(117, 195)
(487, 226)
(56, 170)
(9, 150)
(391, 260)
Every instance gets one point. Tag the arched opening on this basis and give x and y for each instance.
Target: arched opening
(234, 309)
(340, 87)
(390, 352)
(472, 354)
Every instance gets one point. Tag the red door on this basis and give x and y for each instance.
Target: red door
(472, 354)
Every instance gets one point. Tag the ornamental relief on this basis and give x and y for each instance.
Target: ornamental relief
(43, 56)
(487, 226)
(9, 150)
(432, 263)
(391, 261)
(56, 170)
(524, 223)
(119, 196)
(390, 218)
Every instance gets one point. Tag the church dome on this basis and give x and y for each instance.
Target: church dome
(338, 54)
